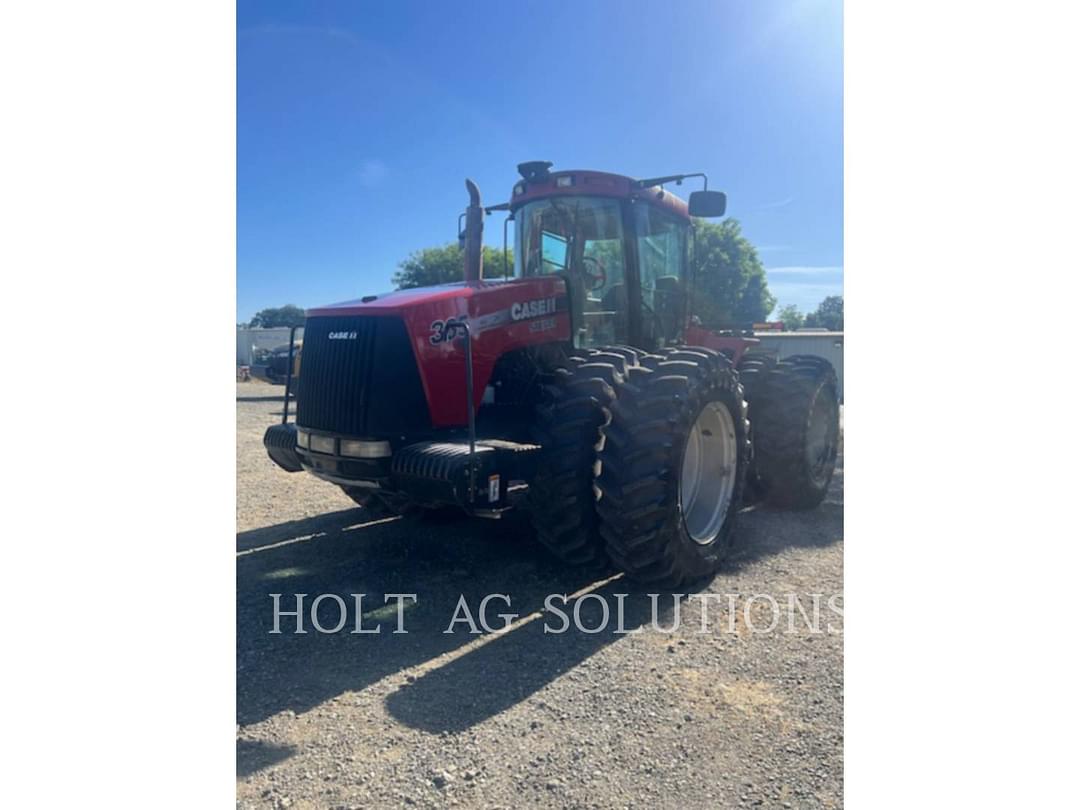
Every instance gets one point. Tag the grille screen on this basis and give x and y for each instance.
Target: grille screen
(363, 382)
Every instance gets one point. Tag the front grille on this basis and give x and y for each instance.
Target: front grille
(365, 386)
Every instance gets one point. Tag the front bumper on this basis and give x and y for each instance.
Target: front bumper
(373, 473)
(281, 445)
(427, 472)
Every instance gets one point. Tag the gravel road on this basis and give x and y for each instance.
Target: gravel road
(735, 716)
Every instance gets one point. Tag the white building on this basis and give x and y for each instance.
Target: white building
(829, 345)
(248, 340)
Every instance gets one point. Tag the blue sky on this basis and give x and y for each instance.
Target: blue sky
(357, 123)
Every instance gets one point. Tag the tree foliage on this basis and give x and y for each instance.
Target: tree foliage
(730, 289)
(288, 315)
(441, 265)
(792, 318)
(828, 315)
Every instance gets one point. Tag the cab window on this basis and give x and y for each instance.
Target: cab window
(581, 238)
(662, 255)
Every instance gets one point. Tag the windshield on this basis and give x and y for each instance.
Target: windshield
(583, 238)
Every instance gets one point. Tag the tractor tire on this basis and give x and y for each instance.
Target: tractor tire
(752, 370)
(672, 468)
(796, 421)
(575, 404)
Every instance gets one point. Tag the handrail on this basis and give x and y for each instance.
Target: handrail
(288, 374)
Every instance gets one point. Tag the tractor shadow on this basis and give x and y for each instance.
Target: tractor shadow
(440, 560)
(254, 755)
(505, 669)
(343, 553)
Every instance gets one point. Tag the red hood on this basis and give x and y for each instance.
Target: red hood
(395, 302)
(503, 316)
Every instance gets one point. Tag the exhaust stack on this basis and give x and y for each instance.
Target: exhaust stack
(474, 234)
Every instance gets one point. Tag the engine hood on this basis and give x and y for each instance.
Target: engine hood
(502, 316)
(398, 301)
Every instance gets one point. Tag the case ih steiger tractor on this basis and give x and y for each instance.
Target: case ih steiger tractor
(577, 383)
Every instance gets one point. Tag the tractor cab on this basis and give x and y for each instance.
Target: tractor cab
(622, 245)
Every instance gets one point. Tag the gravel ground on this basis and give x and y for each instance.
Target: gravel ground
(652, 718)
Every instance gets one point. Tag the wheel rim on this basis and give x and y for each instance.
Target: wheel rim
(821, 433)
(707, 478)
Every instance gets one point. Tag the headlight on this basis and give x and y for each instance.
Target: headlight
(302, 439)
(322, 444)
(359, 449)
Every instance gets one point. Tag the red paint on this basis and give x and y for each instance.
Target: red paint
(442, 365)
(700, 336)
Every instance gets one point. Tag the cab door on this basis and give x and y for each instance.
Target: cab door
(660, 245)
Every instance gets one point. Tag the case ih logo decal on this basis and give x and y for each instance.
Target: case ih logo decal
(532, 309)
(450, 329)
(341, 336)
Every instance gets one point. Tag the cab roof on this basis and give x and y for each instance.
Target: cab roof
(580, 182)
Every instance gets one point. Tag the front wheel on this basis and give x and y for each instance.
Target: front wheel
(673, 467)
(575, 403)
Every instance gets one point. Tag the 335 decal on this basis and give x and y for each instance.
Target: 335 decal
(442, 331)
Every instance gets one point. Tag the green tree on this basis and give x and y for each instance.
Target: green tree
(288, 315)
(441, 265)
(792, 318)
(828, 315)
(730, 288)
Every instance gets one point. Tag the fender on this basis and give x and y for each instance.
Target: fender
(700, 336)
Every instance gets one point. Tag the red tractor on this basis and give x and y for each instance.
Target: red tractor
(576, 382)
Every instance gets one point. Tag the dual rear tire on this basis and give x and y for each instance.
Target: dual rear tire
(795, 417)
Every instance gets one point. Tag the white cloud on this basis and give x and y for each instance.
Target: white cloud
(775, 204)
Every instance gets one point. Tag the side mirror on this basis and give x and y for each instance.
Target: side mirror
(708, 204)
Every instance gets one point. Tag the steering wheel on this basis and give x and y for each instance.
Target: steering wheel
(598, 278)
